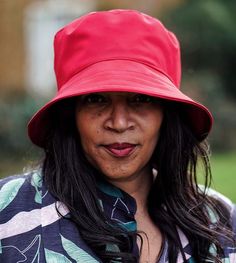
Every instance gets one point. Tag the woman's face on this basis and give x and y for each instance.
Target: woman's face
(119, 132)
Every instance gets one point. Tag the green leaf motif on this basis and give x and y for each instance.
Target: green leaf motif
(109, 189)
(34, 248)
(55, 257)
(130, 226)
(36, 182)
(191, 260)
(9, 191)
(75, 252)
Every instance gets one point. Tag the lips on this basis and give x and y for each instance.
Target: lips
(120, 149)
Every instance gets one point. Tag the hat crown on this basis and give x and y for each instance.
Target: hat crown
(115, 34)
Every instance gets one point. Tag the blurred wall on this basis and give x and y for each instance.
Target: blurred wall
(12, 44)
(19, 19)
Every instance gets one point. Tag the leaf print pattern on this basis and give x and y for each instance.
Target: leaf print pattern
(28, 254)
(29, 219)
(36, 182)
(32, 250)
(191, 260)
(77, 253)
(9, 252)
(9, 191)
(55, 257)
(109, 189)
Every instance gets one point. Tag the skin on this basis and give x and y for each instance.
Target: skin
(121, 117)
(118, 117)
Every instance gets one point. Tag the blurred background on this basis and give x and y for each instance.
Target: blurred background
(207, 33)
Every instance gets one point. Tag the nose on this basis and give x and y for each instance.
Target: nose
(119, 118)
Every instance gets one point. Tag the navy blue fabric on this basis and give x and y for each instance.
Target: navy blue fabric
(31, 230)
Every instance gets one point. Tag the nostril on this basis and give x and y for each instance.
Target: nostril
(118, 120)
(119, 115)
(119, 125)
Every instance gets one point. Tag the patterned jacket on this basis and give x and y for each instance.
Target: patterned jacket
(31, 230)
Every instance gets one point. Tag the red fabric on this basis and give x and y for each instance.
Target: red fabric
(118, 50)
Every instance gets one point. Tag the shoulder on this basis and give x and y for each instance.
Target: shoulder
(24, 177)
(228, 204)
(18, 180)
(221, 198)
(21, 183)
(20, 193)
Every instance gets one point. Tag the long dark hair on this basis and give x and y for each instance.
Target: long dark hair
(175, 201)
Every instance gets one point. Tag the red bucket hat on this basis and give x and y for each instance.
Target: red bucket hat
(118, 50)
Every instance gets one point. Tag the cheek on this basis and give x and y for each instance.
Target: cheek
(88, 130)
(88, 144)
(151, 134)
(153, 125)
(88, 123)
(84, 123)
(84, 130)
(86, 134)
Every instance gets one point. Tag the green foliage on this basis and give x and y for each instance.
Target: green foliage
(15, 112)
(206, 29)
(224, 172)
(207, 33)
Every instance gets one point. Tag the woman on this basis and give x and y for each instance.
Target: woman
(122, 144)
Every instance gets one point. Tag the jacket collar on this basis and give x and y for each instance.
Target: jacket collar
(120, 207)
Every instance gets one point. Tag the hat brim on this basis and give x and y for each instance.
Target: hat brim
(125, 76)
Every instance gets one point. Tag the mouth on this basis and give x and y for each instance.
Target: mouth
(120, 149)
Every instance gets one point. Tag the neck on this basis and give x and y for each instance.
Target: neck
(138, 188)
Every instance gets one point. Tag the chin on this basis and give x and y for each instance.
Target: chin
(120, 177)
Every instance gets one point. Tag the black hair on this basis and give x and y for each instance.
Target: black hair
(175, 202)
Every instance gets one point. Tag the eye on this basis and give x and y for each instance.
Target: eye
(94, 99)
(141, 98)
